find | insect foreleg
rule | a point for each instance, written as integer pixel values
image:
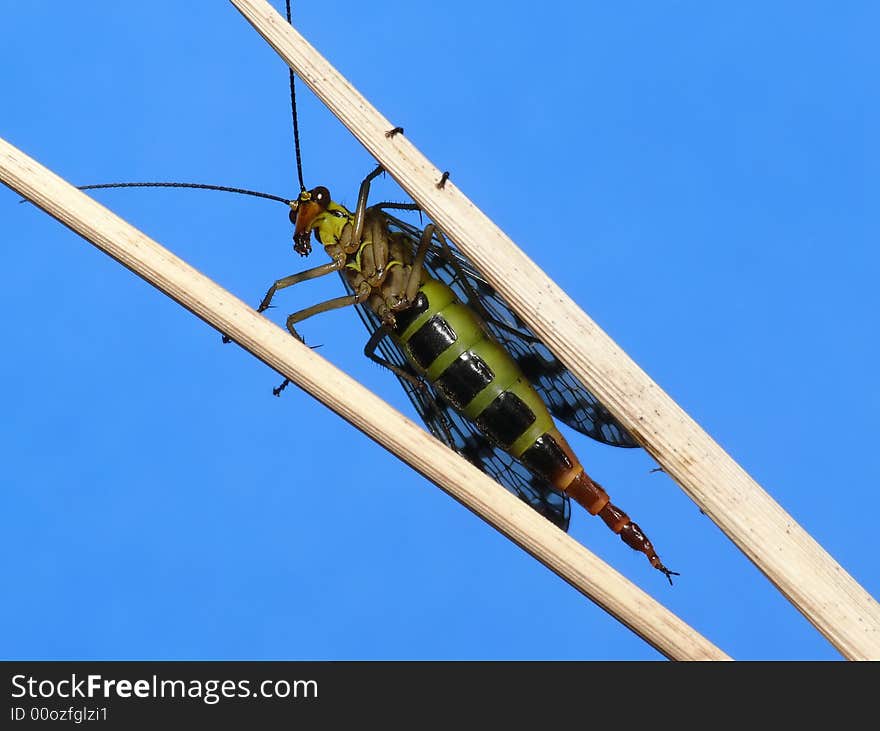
(319, 271)
(370, 352)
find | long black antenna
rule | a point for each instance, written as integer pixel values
(241, 191)
(299, 167)
(202, 186)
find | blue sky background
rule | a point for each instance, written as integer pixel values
(716, 170)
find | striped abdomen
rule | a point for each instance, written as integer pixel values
(446, 343)
(449, 347)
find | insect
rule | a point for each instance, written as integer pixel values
(481, 380)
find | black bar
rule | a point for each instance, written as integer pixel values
(416, 695)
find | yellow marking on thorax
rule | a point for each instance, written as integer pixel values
(356, 264)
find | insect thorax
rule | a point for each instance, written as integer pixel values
(379, 266)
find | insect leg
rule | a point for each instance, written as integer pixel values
(361, 209)
(415, 274)
(388, 205)
(398, 206)
(370, 352)
(334, 304)
(473, 298)
(319, 271)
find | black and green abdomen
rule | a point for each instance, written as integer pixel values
(446, 343)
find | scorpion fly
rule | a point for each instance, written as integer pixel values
(481, 380)
(483, 383)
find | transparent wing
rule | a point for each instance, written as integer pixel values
(462, 436)
(566, 398)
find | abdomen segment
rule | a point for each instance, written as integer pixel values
(448, 346)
